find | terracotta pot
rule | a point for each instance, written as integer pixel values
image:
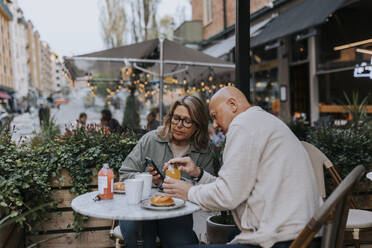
(218, 233)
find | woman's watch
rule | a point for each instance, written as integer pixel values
(197, 179)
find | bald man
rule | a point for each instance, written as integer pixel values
(266, 179)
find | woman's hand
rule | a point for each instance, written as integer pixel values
(155, 176)
(184, 164)
(176, 188)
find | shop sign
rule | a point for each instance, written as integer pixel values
(363, 70)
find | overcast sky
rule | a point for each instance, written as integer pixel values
(72, 26)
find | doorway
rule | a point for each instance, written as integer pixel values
(299, 90)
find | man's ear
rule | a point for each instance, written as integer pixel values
(231, 102)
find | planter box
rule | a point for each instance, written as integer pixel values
(95, 233)
(97, 239)
(11, 236)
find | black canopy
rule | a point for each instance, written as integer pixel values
(307, 14)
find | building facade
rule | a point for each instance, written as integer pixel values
(6, 68)
(301, 63)
(19, 51)
(33, 50)
(47, 77)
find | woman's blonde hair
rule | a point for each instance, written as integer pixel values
(198, 114)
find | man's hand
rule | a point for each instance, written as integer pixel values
(155, 176)
(184, 164)
(176, 188)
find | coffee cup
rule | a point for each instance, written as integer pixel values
(134, 190)
(147, 182)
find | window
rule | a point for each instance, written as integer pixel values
(207, 12)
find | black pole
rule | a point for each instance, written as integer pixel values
(242, 46)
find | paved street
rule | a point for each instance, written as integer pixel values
(67, 113)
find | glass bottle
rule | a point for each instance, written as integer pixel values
(106, 182)
(173, 172)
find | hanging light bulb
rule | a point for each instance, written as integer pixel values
(202, 83)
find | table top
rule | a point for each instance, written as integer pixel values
(118, 209)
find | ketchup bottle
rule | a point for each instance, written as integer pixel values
(106, 182)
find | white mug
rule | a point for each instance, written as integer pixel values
(133, 190)
(147, 182)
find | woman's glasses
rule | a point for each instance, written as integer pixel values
(186, 122)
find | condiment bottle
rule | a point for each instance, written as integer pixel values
(106, 182)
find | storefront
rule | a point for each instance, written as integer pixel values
(264, 79)
(345, 52)
(319, 43)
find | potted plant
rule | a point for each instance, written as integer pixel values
(219, 227)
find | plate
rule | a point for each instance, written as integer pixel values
(119, 191)
(178, 203)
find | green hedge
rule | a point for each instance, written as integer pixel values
(26, 170)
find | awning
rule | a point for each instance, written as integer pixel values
(175, 52)
(221, 47)
(307, 14)
(4, 95)
(226, 45)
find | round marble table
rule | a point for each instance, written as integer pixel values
(118, 209)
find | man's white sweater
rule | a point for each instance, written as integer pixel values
(267, 180)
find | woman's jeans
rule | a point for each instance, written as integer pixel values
(173, 232)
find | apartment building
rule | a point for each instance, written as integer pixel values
(6, 70)
(18, 32)
(47, 77)
(33, 50)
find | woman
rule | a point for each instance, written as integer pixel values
(184, 133)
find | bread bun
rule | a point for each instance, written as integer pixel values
(162, 201)
(119, 186)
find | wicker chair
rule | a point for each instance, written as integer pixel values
(359, 222)
(332, 214)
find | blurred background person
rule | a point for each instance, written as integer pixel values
(109, 122)
(152, 122)
(215, 135)
(82, 121)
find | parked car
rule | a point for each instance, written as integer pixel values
(4, 116)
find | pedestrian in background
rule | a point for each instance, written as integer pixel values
(152, 123)
(109, 122)
(82, 121)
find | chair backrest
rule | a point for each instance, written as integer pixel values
(318, 160)
(335, 209)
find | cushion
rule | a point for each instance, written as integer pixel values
(359, 219)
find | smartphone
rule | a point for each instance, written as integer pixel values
(150, 162)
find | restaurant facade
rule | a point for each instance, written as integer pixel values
(313, 49)
(305, 54)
